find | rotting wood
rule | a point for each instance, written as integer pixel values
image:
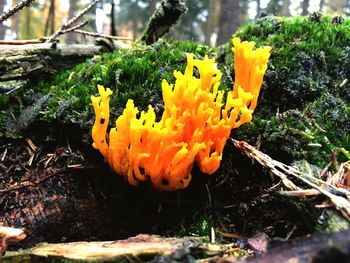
(325, 247)
(10, 235)
(28, 61)
(282, 171)
(139, 247)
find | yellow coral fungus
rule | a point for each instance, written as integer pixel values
(194, 127)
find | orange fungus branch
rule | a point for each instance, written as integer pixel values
(194, 127)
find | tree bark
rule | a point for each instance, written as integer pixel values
(319, 247)
(133, 249)
(28, 61)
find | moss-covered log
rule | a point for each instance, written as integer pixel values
(28, 61)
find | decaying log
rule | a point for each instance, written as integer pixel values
(330, 247)
(325, 247)
(139, 248)
(28, 61)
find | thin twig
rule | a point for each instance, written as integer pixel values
(74, 27)
(71, 21)
(282, 170)
(101, 35)
(306, 192)
(23, 42)
(265, 160)
(27, 184)
(4, 16)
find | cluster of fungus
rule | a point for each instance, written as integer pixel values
(194, 127)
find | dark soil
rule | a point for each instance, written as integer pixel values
(63, 191)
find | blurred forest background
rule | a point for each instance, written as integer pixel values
(207, 21)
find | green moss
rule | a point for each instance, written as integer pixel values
(131, 74)
(332, 221)
(303, 110)
(201, 227)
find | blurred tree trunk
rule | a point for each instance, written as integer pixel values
(50, 21)
(337, 6)
(233, 14)
(347, 7)
(213, 19)
(285, 8)
(15, 21)
(304, 7)
(27, 32)
(113, 26)
(321, 6)
(72, 38)
(91, 16)
(258, 8)
(2, 27)
(274, 7)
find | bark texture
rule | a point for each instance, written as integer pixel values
(29, 61)
(326, 247)
(139, 248)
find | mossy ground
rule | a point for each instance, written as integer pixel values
(304, 107)
(303, 114)
(303, 110)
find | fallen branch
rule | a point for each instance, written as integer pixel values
(23, 42)
(32, 60)
(74, 27)
(133, 249)
(282, 170)
(92, 34)
(4, 16)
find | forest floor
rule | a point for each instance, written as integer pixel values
(62, 191)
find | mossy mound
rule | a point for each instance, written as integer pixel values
(304, 107)
(130, 73)
(303, 110)
(303, 113)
